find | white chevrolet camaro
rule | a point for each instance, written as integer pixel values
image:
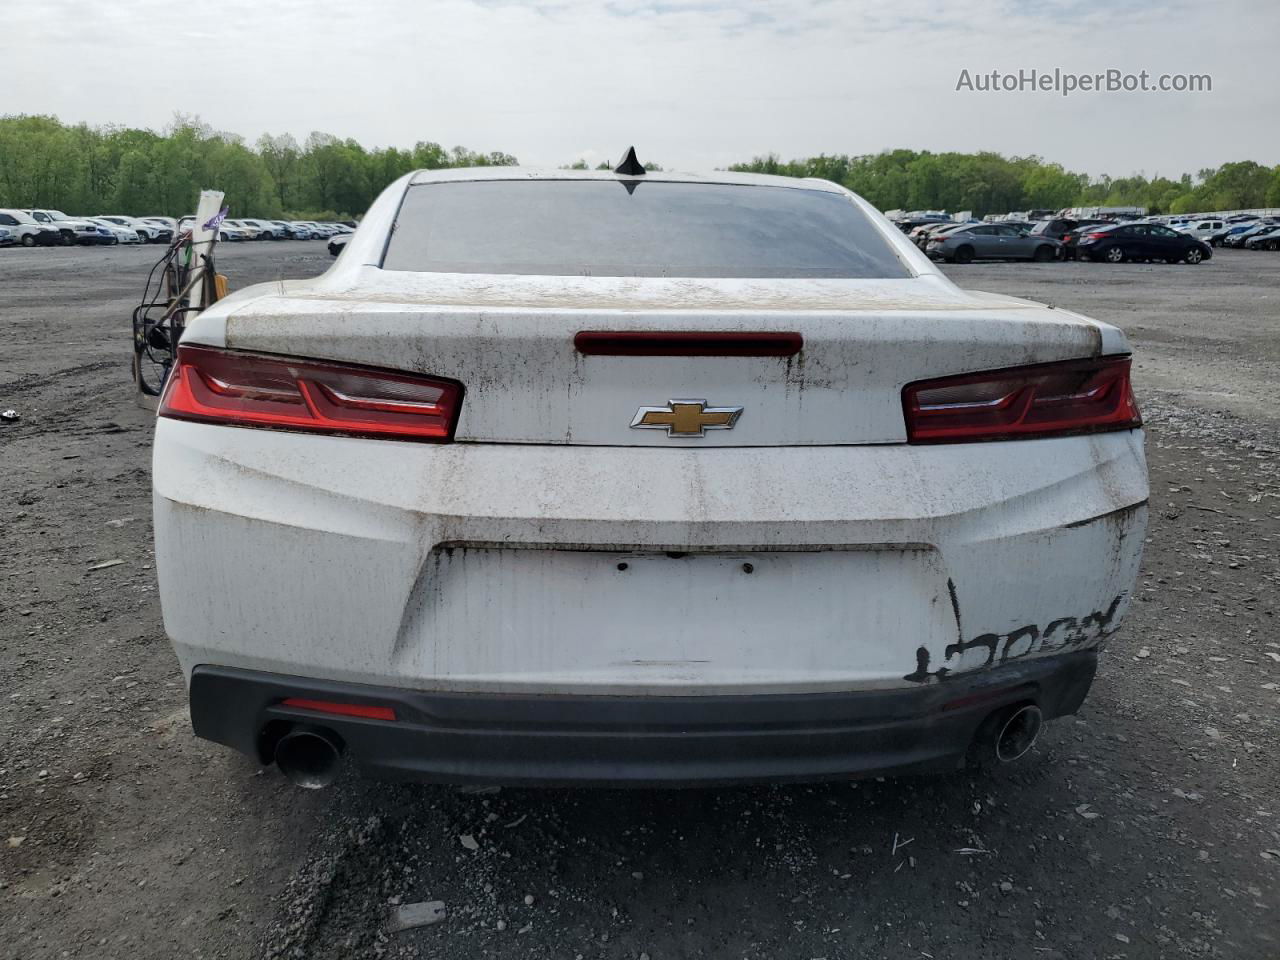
(595, 477)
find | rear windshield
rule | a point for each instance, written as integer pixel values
(609, 228)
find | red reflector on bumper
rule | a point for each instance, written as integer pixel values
(341, 709)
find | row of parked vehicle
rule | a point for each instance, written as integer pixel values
(47, 228)
(1246, 231)
(244, 229)
(1109, 239)
(1055, 238)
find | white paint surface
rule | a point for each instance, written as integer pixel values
(492, 563)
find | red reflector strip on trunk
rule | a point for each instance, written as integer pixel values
(686, 343)
(341, 709)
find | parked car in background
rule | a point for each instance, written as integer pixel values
(906, 226)
(1057, 228)
(226, 232)
(169, 222)
(940, 228)
(1241, 238)
(267, 229)
(103, 235)
(318, 230)
(1141, 241)
(29, 231)
(991, 241)
(1229, 229)
(1071, 240)
(121, 233)
(8, 237)
(72, 229)
(338, 243)
(147, 232)
(297, 231)
(497, 547)
(1021, 225)
(1266, 239)
(920, 235)
(248, 231)
(1202, 229)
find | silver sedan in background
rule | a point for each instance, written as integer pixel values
(991, 241)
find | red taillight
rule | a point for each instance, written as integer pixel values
(340, 709)
(1077, 396)
(259, 390)
(1097, 236)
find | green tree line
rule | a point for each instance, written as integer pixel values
(991, 183)
(88, 170)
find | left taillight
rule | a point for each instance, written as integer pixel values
(1047, 399)
(286, 393)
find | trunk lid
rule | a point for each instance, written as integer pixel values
(510, 341)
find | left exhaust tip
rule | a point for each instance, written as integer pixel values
(309, 756)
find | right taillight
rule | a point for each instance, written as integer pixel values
(1047, 399)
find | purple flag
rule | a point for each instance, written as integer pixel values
(217, 219)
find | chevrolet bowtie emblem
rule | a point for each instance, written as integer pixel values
(686, 418)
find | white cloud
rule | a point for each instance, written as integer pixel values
(693, 83)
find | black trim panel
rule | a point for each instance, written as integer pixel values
(518, 739)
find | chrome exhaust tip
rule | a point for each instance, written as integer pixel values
(309, 756)
(1017, 733)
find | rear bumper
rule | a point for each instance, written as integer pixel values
(605, 571)
(637, 741)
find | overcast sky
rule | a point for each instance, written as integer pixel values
(695, 84)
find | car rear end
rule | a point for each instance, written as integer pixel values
(944, 244)
(751, 493)
(1094, 242)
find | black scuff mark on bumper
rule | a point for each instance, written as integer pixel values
(1116, 514)
(1059, 636)
(921, 673)
(955, 607)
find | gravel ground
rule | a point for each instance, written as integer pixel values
(1148, 826)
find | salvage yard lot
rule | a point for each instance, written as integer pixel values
(1148, 826)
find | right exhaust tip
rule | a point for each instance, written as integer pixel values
(309, 756)
(1017, 732)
